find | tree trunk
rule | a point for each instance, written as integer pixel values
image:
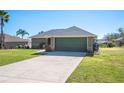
(2, 34)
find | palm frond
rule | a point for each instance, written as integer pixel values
(22, 32)
(4, 15)
(6, 18)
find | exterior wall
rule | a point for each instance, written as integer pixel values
(90, 41)
(10, 45)
(38, 42)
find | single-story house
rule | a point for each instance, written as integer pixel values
(69, 39)
(102, 41)
(119, 41)
(13, 41)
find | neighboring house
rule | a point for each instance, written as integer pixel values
(119, 41)
(102, 41)
(69, 39)
(13, 41)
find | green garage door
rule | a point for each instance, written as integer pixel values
(71, 44)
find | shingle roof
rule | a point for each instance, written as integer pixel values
(119, 39)
(100, 41)
(68, 32)
(9, 38)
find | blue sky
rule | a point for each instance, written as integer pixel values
(33, 21)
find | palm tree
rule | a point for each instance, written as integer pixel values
(40, 32)
(22, 32)
(4, 17)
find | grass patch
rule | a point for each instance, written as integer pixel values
(108, 66)
(13, 55)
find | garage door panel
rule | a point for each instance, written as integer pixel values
(70, 44)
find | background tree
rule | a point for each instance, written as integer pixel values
(40, 32)
(4, 17)
(22, 33)
(112, 36)
(121, 32)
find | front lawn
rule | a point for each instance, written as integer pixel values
(13, 55)
(108, 66)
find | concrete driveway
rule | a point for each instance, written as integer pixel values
(52, 67)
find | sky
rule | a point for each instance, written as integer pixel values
(99, 22)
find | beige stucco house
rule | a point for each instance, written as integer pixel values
(69, 39)
(12, 41)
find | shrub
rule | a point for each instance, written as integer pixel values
(111, 44)
(102, 45)
(27, 47)
(20, 46)
(122, 45)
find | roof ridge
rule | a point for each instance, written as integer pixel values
(80, 29)
(13, 36)
(71, 31)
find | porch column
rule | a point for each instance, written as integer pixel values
(90, 43)
(53, 43)
(87, 43)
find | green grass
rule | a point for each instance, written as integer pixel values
(13, 55)
(108, 66)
